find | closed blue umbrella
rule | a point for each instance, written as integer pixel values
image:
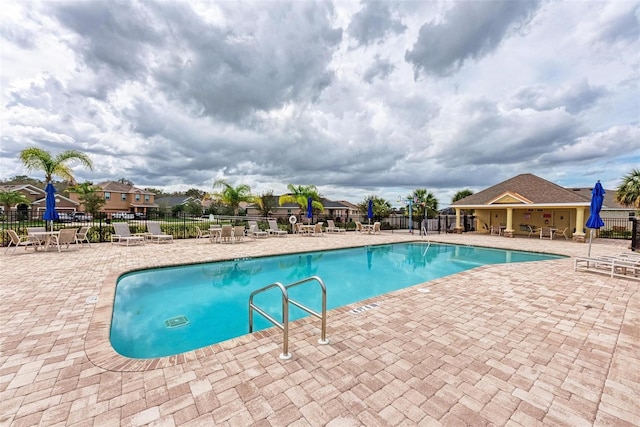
(594, 221)
(370, 210)
(309, 208)
(50, 213)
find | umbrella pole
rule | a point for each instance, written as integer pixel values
(590, 238)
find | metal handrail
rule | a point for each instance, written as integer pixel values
(284, 326)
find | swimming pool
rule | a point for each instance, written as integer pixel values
(165, 311)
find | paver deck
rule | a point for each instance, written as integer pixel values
(512, 344)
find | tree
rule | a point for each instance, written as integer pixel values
(233, 196)
(381, 207)
(37, 159)
(12, 198)
(425, 204)
(266, 203)
(461, 195)
(125, 181)
(156, 191)
(628, 192)
(195, 193)
(300, 195)
(91, 201)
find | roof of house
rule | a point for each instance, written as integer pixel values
(174, 200)
(609, 198)
(119, 187)
(527, 187)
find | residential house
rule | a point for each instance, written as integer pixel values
(528, 200)
(37, 197)
(121, 197)
(341, 211)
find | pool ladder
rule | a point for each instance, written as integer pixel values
(284, 326)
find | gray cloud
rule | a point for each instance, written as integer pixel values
(470, 30)
(172, 95)
(574, 98)
(373, 22)
(380, 68)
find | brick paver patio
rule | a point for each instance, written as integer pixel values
(511, 344)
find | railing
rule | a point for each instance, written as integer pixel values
(284, 325)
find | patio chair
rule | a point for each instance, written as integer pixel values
(563, 233)
(122, 235)
(331, 227)
(238, 233)
(226, 235)
(317, 230)
(34, 237)
(202, 234)
(273, 229)
(376, 228)
(82, 236)
(155, 234)
(66, 237)
(16, 241)
(359, 228)
(546, 233)
(496, 230)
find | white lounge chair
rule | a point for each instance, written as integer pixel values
(331, 227)
(273, 229)
(123, 235)
(155, 234)
(255, 232)
(612, 266)
(16, 241)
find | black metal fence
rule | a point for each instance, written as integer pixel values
(617, 228)
(180, 226)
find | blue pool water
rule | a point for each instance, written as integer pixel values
(166, 311)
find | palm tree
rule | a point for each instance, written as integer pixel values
(37, 159)
(461, 195)
(266, 203)
(91, 201)
(12, 198)
(300, 195)
(424, 201)
(628, 192)
(381, 207)
(233, 196)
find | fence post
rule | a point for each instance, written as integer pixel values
(635, 236)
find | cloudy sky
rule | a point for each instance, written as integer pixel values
(357, 98)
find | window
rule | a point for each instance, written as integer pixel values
(137, 197)
(123, 197)
(147, 197)
(107, 195)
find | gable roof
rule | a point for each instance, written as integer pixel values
(118, 187)
(524, 189)
(609, 203)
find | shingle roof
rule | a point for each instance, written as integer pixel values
(529, 186)
(609, 198)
